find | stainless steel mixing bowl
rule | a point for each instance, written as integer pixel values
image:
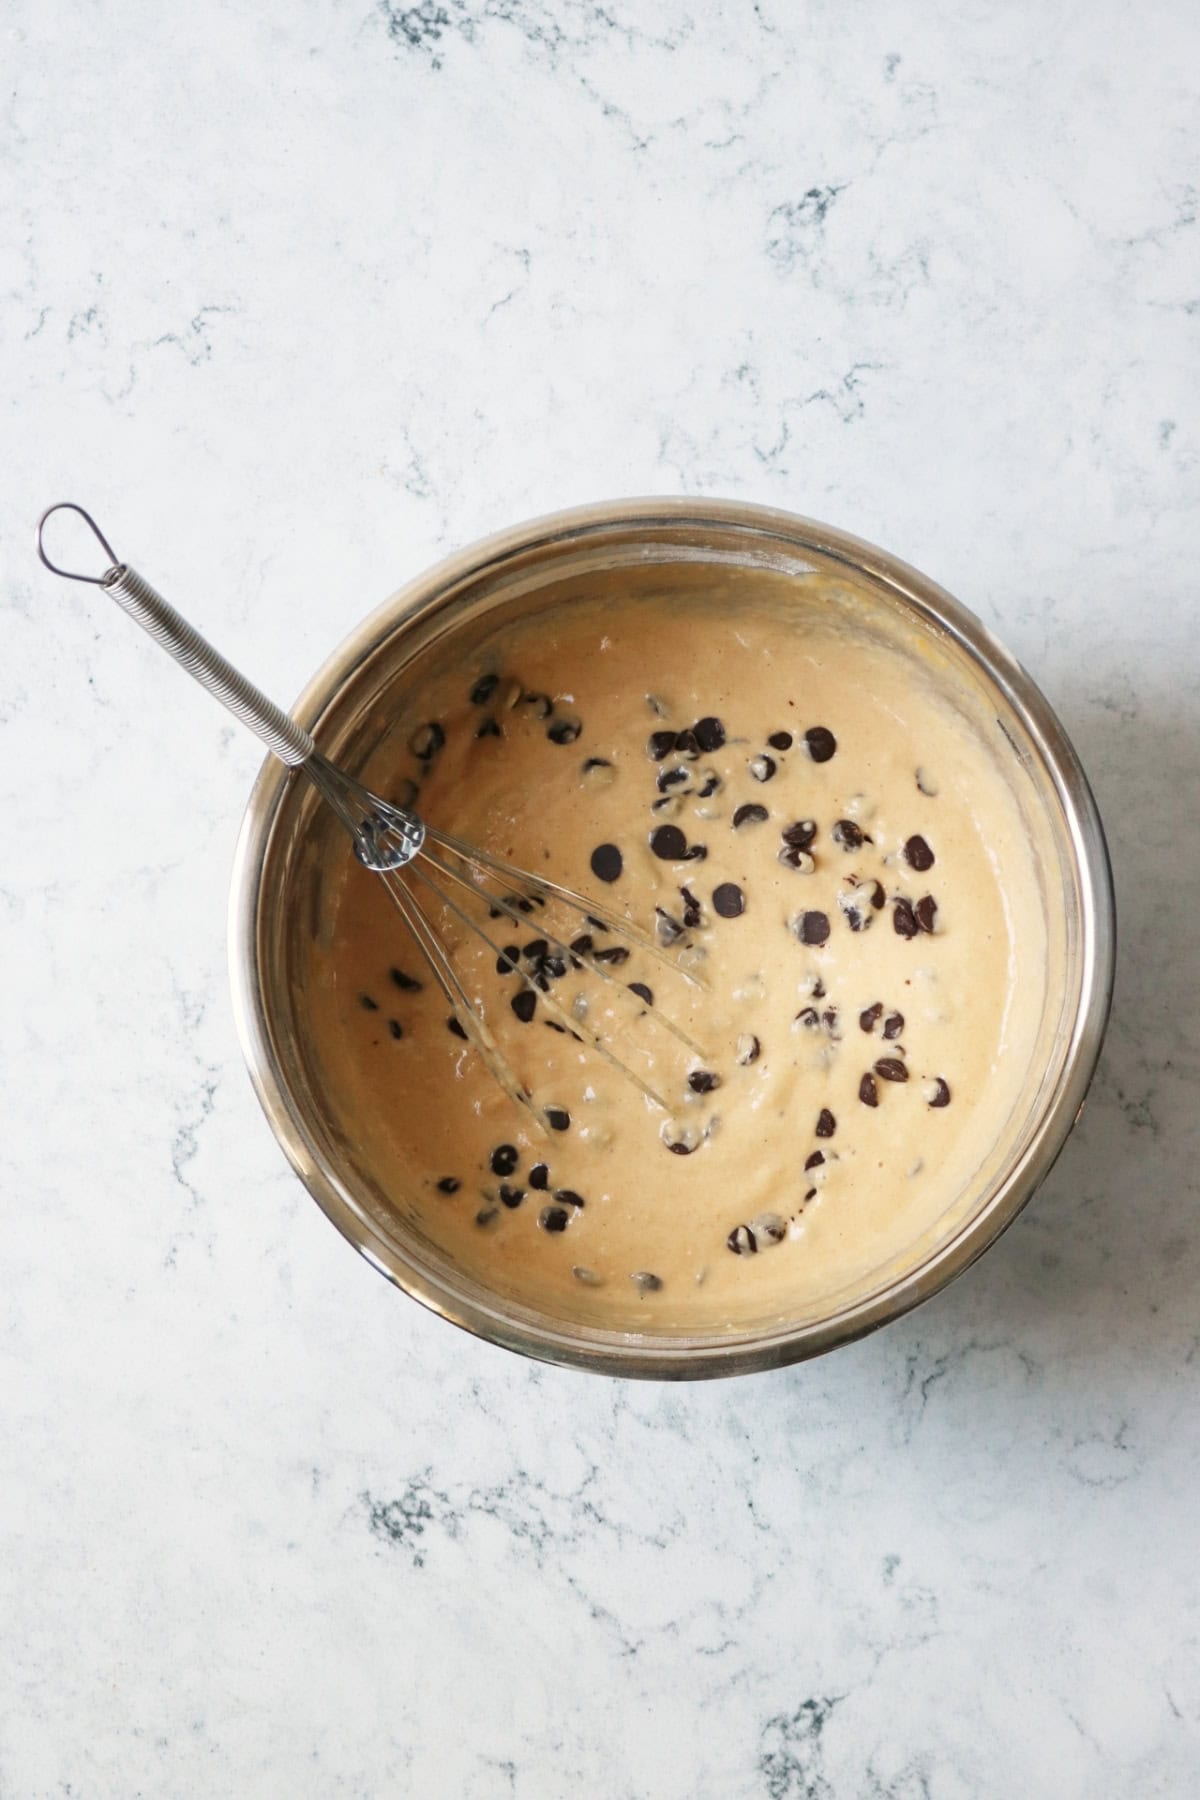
(350, 702)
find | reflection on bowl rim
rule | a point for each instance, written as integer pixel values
(661, 1356)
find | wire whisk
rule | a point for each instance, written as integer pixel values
(420, 866)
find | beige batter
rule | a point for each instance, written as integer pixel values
(872, 953)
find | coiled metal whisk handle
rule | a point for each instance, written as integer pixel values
(280, 733)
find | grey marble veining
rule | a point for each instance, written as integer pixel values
(297, 297)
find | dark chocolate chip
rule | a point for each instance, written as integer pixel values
(568, 1196)
(821, 743)
(818, 990)
(669, 843)
(749, 814)
(642, 991)
(679, 1146)
(669, 929)
(696, 853)
(504, 1159)
(449, 1184)
(607, 862)
(829, 1019)
(396, 1029)
(918, 855)
(893, 1025)
(728, 900)
(849, 835)
(926, 912)
(540, 705)
(564, 731)
(870, 1016)
(703, 1081)
(427, 740)
(489, 728)
(408, 984)
(667, 779)
(800, 835)
(524, 1005)
(483, 690)
(511, 1196)
(710, 734)
(687, 744)
(453, 1025)
(890, 1068)
(814, 1160)
(582, 944)
(904, 919)
(780, 740)
(615, 955)
(595, 762)
(554, 966)
(712, 785)
(693, 912)
(809, 1018)
(486, 1215)
(813, 928)
(742, 1241)
(826, 1123)
(558, 1118)
(539, 1175)
(646, 1283)
(792, 857)
(868, 1092)
(749, 1049)
(367, 1004)
(942, 1096)
(762, 767)
(660, 744)
(535, 950)
(554, 1218)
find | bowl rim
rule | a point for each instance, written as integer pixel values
(643, 1355)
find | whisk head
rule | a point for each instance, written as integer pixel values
(420, 864)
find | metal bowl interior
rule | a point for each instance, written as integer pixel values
(348, 706)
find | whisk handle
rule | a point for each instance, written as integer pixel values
(281, 734)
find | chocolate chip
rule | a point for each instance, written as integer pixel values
(870, 1016)
(569, 1197)
(591, 763)
(808, 1018)
(710, 734)
(427, 740)
(728, 900)
(607, 862)
(762, 767)
(486, 1215)
(583, 943)
(904, 919)
(813, 927)
(616, 954)
(893, 1025)
(408, 984)
(712, 785)
(687, 744)
(868, 1093)
(564, 731)
(554, 966)
(693, 912)
(768, 1228)
(511, 1196)
(671, 804)
(814, 1160)
(918, 855)
(742, 1241)
(679, 1146)
(489, 728)
(367, 1004)
(554, 1218)
(680, 1139)
(749, 814)
(941, 1092)
(449, 1184)
(504, 1159)
(890, 1068)
(453, 1025)
(539, 1175)
(878, 897)
(483, 690)
(667, 779)
(669, 930)
(540, 705)
(853, 907)
(818, 989)
(821, 743)
(660, 744)
(829, 1019)
(703, 1081)
(396, 1029)
(647, 1283)
(792, 857)
(669, 843)
(826, 1123)
(642, 991)
(748, 1048)
(801, 835)
(558, 1118)
(524, 1004)
(780, 740)
(926, 912)
(849, 835)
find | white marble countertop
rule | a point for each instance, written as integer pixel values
(297, 297)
